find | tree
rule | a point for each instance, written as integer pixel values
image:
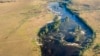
(46, 29)
(57, 23)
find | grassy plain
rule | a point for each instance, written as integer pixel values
(21, 20)
(19, 23)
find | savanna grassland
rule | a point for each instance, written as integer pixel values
(19, 23)
(21, 20)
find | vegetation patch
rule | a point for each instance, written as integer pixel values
(96, 49)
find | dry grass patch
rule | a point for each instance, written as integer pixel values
(19, 24)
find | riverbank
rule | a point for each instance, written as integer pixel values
(89, 11)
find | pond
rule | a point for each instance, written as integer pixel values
(66, 35)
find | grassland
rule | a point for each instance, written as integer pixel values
(19, 24)
(21, 20)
